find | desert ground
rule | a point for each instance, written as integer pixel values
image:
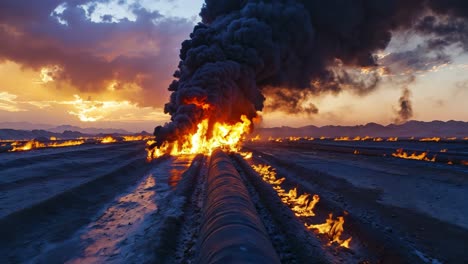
(106, 203)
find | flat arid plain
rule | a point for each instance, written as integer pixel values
(335, 200)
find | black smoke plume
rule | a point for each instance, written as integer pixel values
(406, 110)
(245, 49)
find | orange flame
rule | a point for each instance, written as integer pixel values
(195, 101)
(333, 229)
(392, 139)
(135, 138)
(256, 138)
(33, 144)
(414, 156)
(303, 206)
(435, 139)
(108, 139)
(225, 136)
(341, 139)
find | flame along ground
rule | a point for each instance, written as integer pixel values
(33, 144)
(26, 145)
(303, 206)
(404, 155)
(224, 136)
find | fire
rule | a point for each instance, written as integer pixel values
(34, 144)
(333, 228)
(404, 155)
(197, 103)
(451, 138)
(225, 136)
(356, 138)
(303, 206)
(443, 150)
(378, 139)
(294, 138)
(268, 174)
(256, 138)
(246, 155)
(67, 143)
(341, 139)
(393, 139)
(356, 152)
(435, 139)
(135, 138)
(108, 139)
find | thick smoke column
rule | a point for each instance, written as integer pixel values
(288, 49)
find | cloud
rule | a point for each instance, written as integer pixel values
(8, 102)
(67, 47)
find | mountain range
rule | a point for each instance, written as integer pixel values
(409, 129)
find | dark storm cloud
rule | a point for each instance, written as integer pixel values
(92, 55)
(247, 48)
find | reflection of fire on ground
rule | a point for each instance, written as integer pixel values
(123, 217)
(303, 206)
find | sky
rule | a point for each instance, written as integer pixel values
(108, 64)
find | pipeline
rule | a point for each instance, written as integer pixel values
(231, 230)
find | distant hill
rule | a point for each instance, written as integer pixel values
(409, 129)
(14, 134)
(60, 129)
(92, 130)
(62, 132)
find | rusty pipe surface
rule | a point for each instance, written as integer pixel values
(231, 230)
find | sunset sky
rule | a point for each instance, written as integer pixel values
(109, 63)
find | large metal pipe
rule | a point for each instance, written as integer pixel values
(231, 230)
